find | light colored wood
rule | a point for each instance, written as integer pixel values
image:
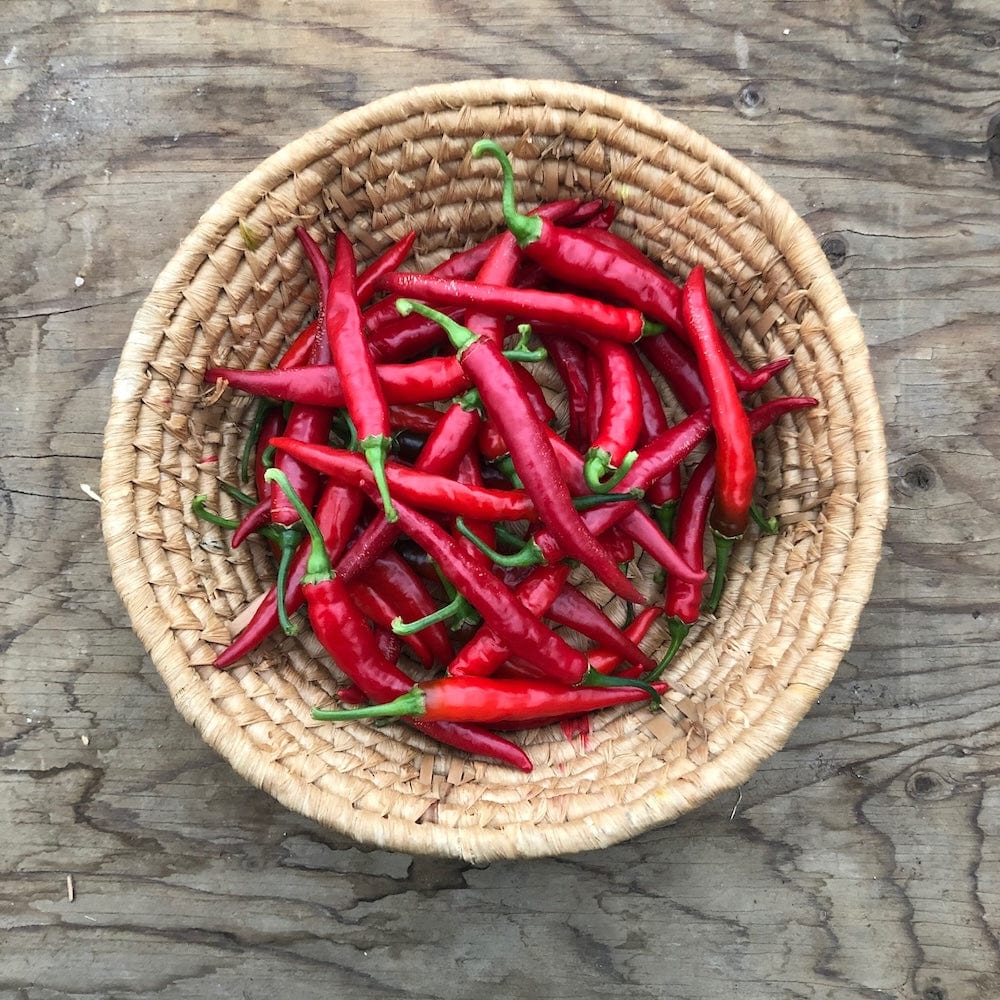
(858, 862)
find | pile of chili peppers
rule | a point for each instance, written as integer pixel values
(419, 492)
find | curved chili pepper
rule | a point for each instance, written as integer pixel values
(575, 610)
(347, 637)
(736, 467)
(393, 337)
(499, 608)
(530, 450)
(425, 381)
(272, 425)
(489, 700)
(468, 475)
(363, 396)
(589, 315)
(388, 260)
(682, 599)
(676, 362)
(337, 512)
(422, 489)
(487, 650)
(252, 521)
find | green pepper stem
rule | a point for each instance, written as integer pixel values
(318, 567)
(594, 678)
(506, 465)
(288, 543)
(589, 501)
(260, 414)
(665, 514)
(199, 507)
(376, 450)
(769, 525)
(411, 703)
(526, 228)
(350, 431)
(678, 633)
(458, 605)
(461, 337)
(651, 329)
(723, 549)
(528, 555)
(237, 494)
(597, 464)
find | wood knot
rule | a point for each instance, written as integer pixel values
(835, 248)
(751, 100)
(927, 786)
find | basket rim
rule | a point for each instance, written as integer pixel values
(722, 772)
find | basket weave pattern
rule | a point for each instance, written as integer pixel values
(237, 290)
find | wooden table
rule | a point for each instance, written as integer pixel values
(862, 861)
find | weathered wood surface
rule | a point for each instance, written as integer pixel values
(863, 861)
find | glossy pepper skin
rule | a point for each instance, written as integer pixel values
(363, 394)
(425, 381)
(735, 462)
(352, 644)
(531, 452)
(488, 700)
(423, 489)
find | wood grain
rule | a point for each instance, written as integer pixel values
(860, 862)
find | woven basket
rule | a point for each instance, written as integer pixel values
(235, 293)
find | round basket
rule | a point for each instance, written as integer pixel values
(235, 293)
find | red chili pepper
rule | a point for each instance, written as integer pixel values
(422, 489)
(569, 360)
(530, 450)
(682, 602)
(348, 638)
(619, 416)
(489, 700)
(468, 475)
(528, 304)
(366, 404)
(577, 611)
(736, 467)
(499, 608)
(423, 381)
(676, 362)
(491, 442)
(486, 651)
(272, 425)
(337, 513)
(413, 417)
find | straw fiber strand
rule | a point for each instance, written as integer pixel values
(236, 292)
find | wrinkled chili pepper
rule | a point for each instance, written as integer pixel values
(347, 637)
(488, 700)
(530, 450)
(664, 494)
(378, 605)
(569, 360)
